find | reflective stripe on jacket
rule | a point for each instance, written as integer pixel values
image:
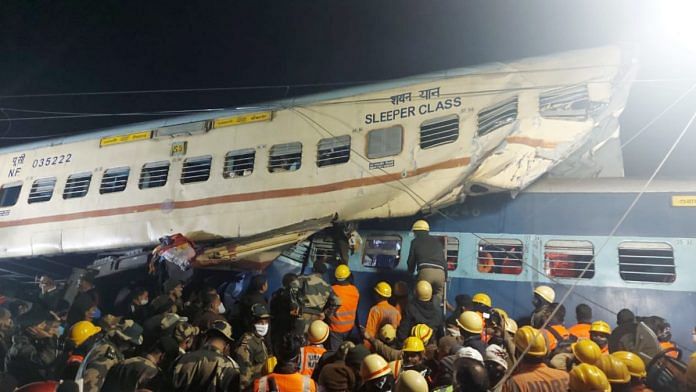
(309, 358)
(344, 318)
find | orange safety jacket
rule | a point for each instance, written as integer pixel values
(276, 382)
(381, 313)
(551, 340)
(309, 358)
(344, 318)
(580, 330)
(536, 377)
(666, 345)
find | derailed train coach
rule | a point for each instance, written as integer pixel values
(558, 232)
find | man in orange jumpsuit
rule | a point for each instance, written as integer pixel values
(382, 312)
(532, 374)
(583, 314)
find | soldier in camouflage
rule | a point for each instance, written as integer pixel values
(141, 372)
(207, 369)
(318, 299)
(107, 353)
(252, 352)
(33, 353)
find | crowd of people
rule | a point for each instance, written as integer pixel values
(307, 336)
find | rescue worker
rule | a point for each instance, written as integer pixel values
(185, 334)
(382, 312)
(108, 352)
(427, 256)
(285, 306)
(583, 315)
(255, 294)
(82, 337)
(543, 297)
(209, 368)
(341, 323)
(311, 354)
(414, 357)
(173, 291)
(337, 376)
(400, 296)
(616, 372)
(285, 377)
(582, 351)
(588, 378)
(481, 303)
(624, 335)
(86, 300)
(411, 381)
(555, 333)
(214, 310)
(470, 374)
(532, 374)
(383, 343)
(664, 336)
(318, 298)
(252, 352)
(34, 349)
(137, 309)
(6, 332)
(376, 375)
(496, 362)
(636, 368)
(140, 372)
(471, 325)
(51, 298)
(599, 333)
(421, 311)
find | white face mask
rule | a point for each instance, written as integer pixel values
(144, 302)
(221, 308)
(261, 329)
(454, 332)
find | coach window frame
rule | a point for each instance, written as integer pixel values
(228, 164)
(383, 237)
(40, 197)
(673, 265)
(500, 241)
(85, 174)
(593, 260)
(385, 154)
(185, 180)
(3, 196)
(115, 175)
(446, 140)
(146, 183)
(327, 162)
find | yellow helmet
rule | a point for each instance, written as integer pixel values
(383, 289)
(411, 381)
(586, 351)
(420, 225)
(615, 369)
(600, 326)
(422, 332)
(635, 365)
(511, 325)
(546, 293)
(387, 333)
(588, 378)
(502, 312)
(413, 345)
(424, 291)
(374, 366)
(318, 332)
(470, 322)
(81, 331)
(342, 272)
(400, 289)
(270, 365)
(482, 298)
(530, 337)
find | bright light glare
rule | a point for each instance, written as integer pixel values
(677, 23)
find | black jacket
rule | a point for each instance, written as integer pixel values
(426, 249)
(420, 312)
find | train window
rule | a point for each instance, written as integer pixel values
(647, 262)
(568, 259)
(154, 175)
(568, 103)
(439, 131)
(77, 185)
(333, 151)
(452, 249)
(285, 157)
(196, 169)
(239, 163)
(500, 256)
(42, 190)
(114, 180)
(384, 142)
(9, 194)
(496, 116)
(382, 251)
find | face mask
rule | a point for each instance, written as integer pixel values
(96, 313)
(61, 330)
(261, 329)
(144, 302)
(454, 332)
(221, 308)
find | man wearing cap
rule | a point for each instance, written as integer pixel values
(185, 333)
(318, 298)
(208, 369)
(213, 311)
(427, 256)
(123, 338)
(252, 352)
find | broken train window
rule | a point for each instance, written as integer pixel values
(285, 157)
(567, 103)
(333, 151)
(496, 116)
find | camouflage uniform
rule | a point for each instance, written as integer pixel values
(251, 354)
(30, 359)
(131, 374)
(97, 363)
(317, 298)
(206, 369)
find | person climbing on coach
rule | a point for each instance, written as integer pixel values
(421, 311)
(427, 257)
(343, 320)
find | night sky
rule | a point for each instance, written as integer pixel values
(311, 46)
